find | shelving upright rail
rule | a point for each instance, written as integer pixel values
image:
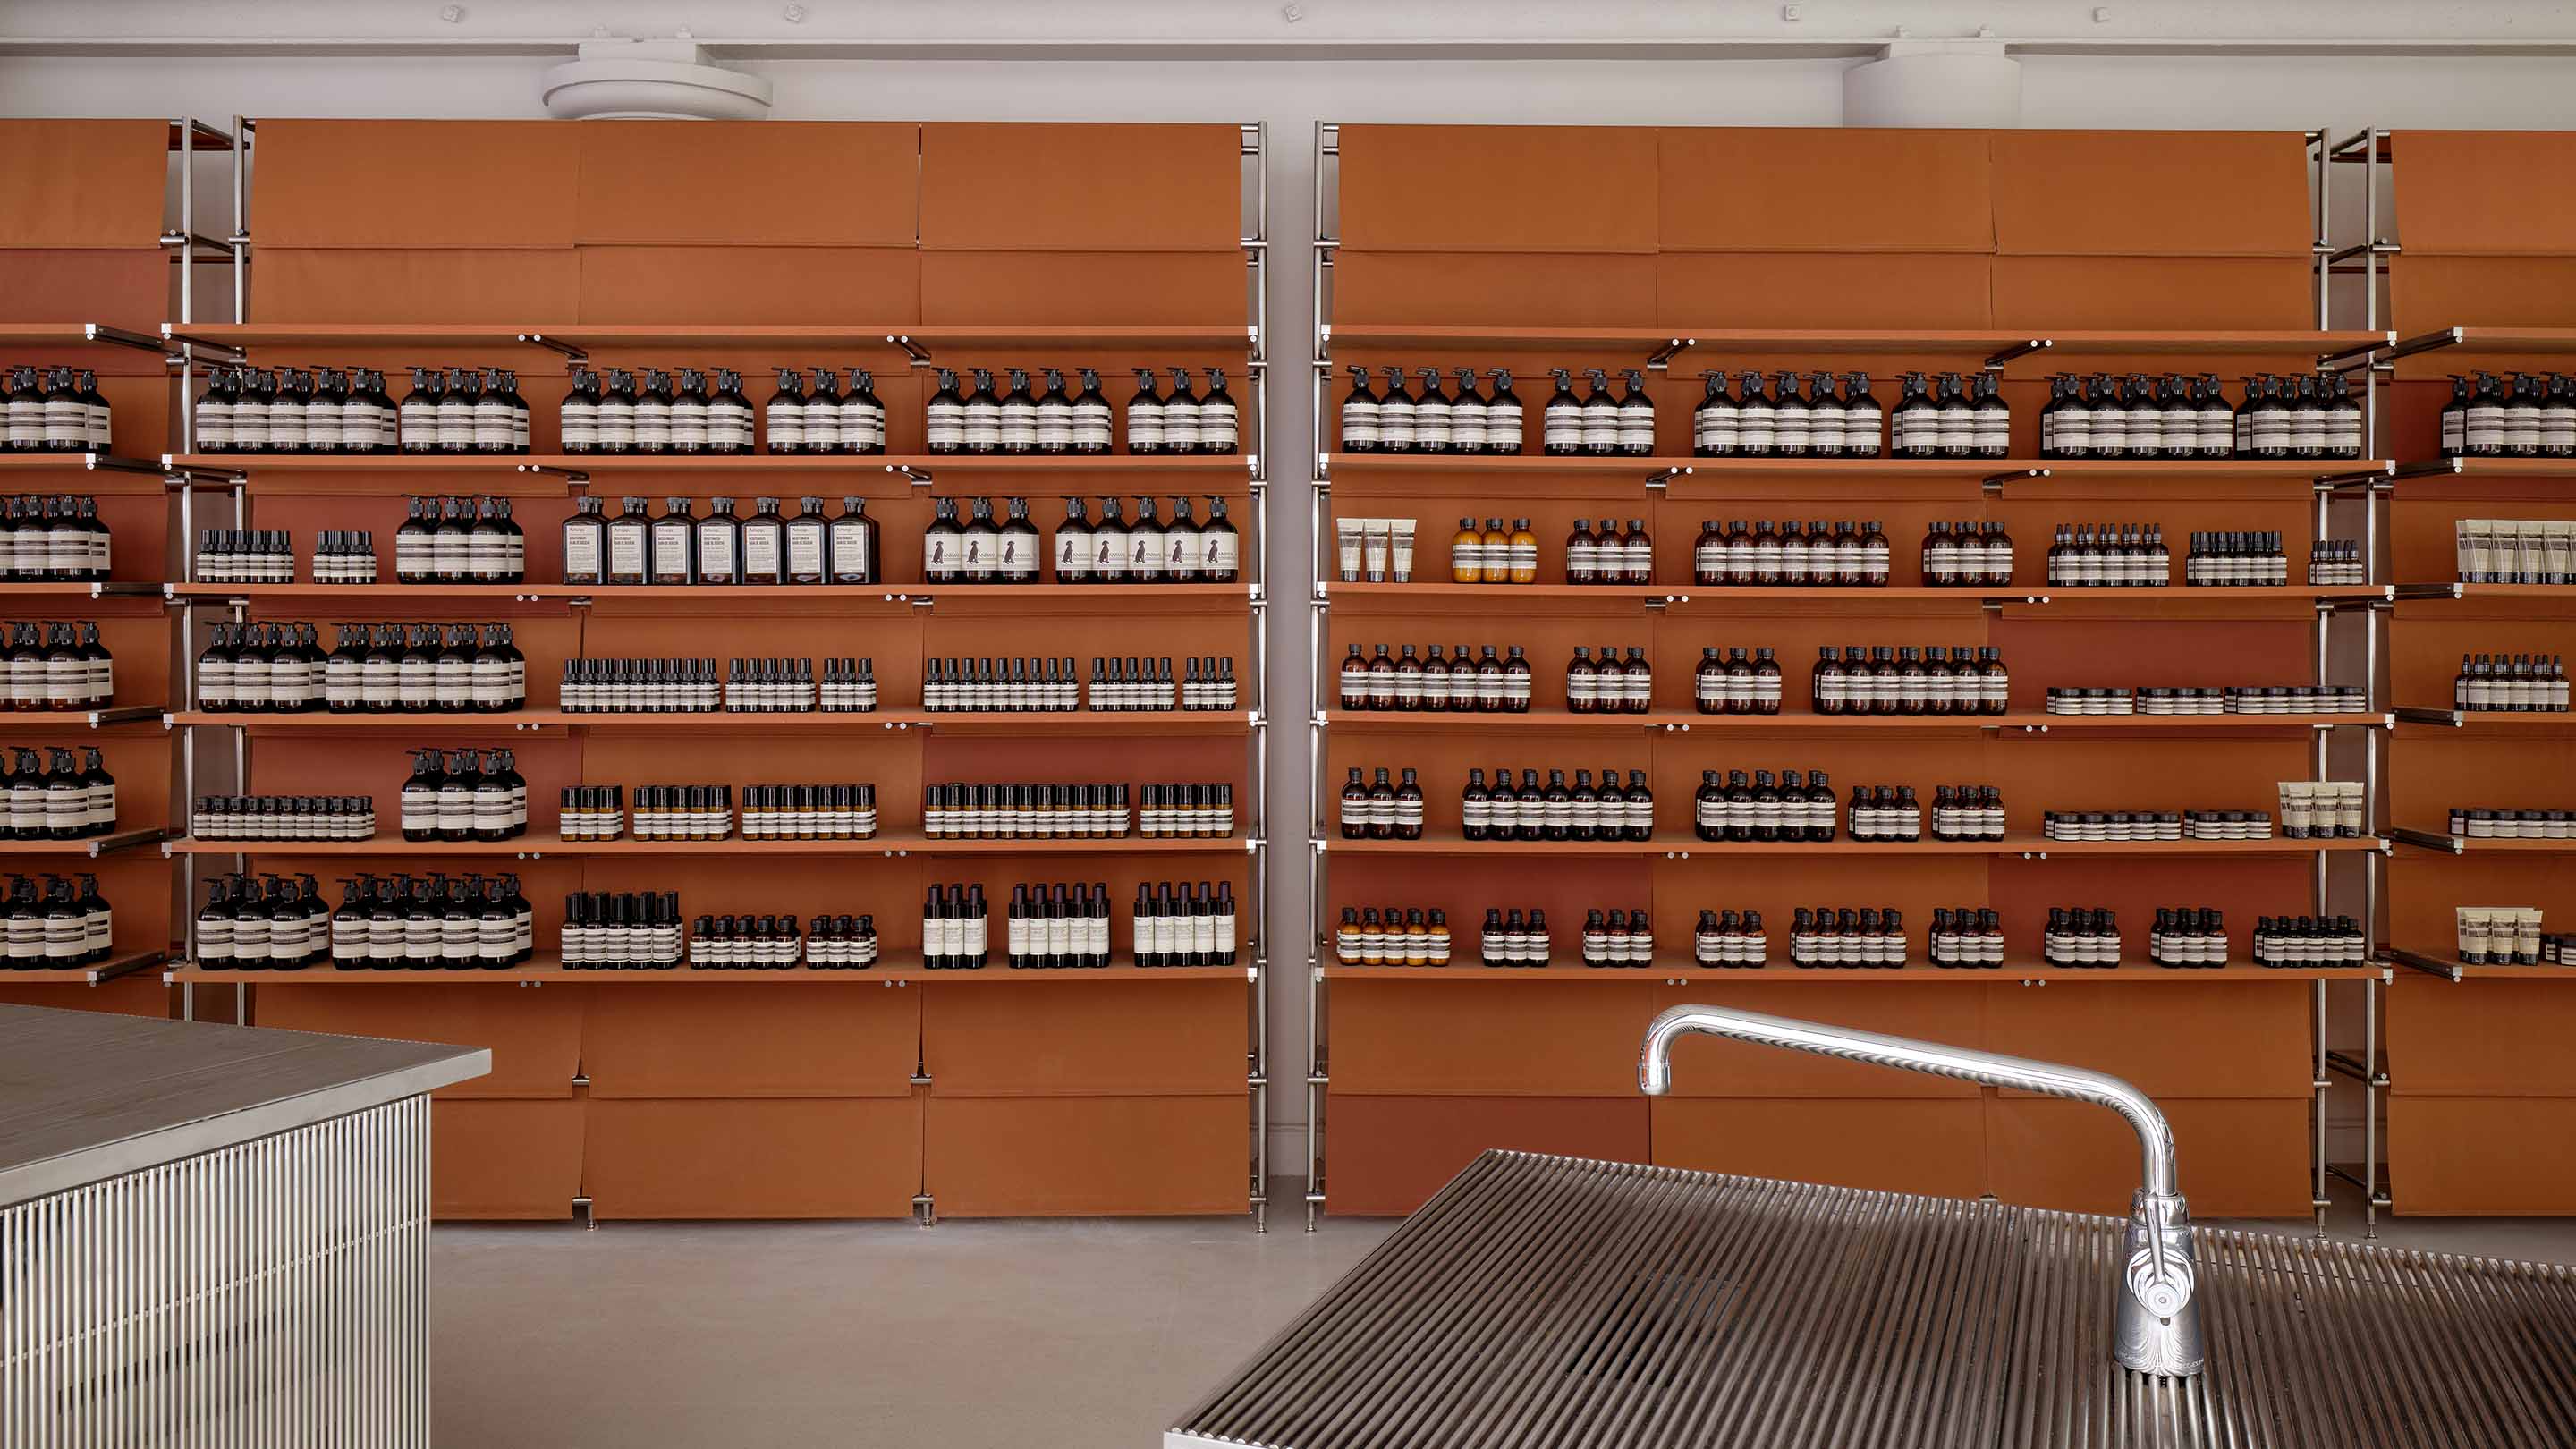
(186, 246)
(2373, 257)
(196, 344)
(2346, 352)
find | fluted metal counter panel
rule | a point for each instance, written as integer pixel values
(1549, 1301)
(273, 1293)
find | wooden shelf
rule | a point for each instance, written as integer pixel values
(149, 715)
(2509, 721)
(2021, 720)
(75, 462)
(90, 847)
(2449, 844)
(583, 336)
(2176, 598)
(96, 973)
(1680, 594)
(897, 596)
(1778, 972)
(1686, 846)
(2487, 468)
(2509, 341)
(2438, 963)
(1185, 722)
(1237, 464)
(1979, 470)
(1720, 345)
(81, 592)
(895, 969)
(534, 845)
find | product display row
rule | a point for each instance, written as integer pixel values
(2515, 683)
(53, 538)
(57, 665)
(982, 419)
(51, 793)
(280, 668)
(53, 409)
(2229, 699)
(2525, 415)
(2516, 550)
(54, 922)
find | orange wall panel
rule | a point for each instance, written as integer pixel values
(534, 1033)
(812, 286)
(2151, 193)
(765, 1039)
(2472, 192)
(2479, 1038)
(748, 183)
(2427, 293)
(1934, 1146)
(2213, 1039)
(1495, 1038)
(2481, 1156)
(74, 184)
(2238, 1158)
(765, 1158)
(1079, 1156)
(1760, 189)
(504, 1160)
(140, 994)
(417, 185)
(1931, 290)
(2047, 294)
(500, 287)
(1499, 188)
(1083, 1038)
(128, 288)
(1050, 187)
(1069, 288)
(1518, 289)
(1386, 1156)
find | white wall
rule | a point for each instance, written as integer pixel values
(2341, 93)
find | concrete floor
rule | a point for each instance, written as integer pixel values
(1072, 1334)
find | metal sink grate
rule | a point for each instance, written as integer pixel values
(1541, 1302)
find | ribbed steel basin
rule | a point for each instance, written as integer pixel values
(1553, 1301)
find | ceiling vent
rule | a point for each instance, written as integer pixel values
(652, 80)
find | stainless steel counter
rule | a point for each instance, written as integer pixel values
(213, 1234)
(1547, 1301)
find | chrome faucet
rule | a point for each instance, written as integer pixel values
(2156, 1329)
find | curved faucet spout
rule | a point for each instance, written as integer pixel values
(2158, 1327)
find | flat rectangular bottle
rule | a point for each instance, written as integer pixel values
(808, 544)
(853, 540)
(585, 544)
(764, 544)
(629, 543)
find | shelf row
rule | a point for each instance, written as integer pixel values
(538, 846)
(893, 969)
(1676, 846)
(2010, 973)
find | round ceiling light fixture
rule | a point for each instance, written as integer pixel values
(651, 80)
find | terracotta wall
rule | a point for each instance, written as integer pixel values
(1707, 230)
(2477, 1076)
(80, 227)
(775, 1097)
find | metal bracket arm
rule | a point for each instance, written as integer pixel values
(2157, 1327)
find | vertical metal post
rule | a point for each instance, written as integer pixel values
(2323, 248)
(1256, 141)
(1327, 145)
(2370, 226)
(187, 216)
(2318, 1198)
(2370, 1105)
(243, 131)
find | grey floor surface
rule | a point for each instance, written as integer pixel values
(1076, 1334)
